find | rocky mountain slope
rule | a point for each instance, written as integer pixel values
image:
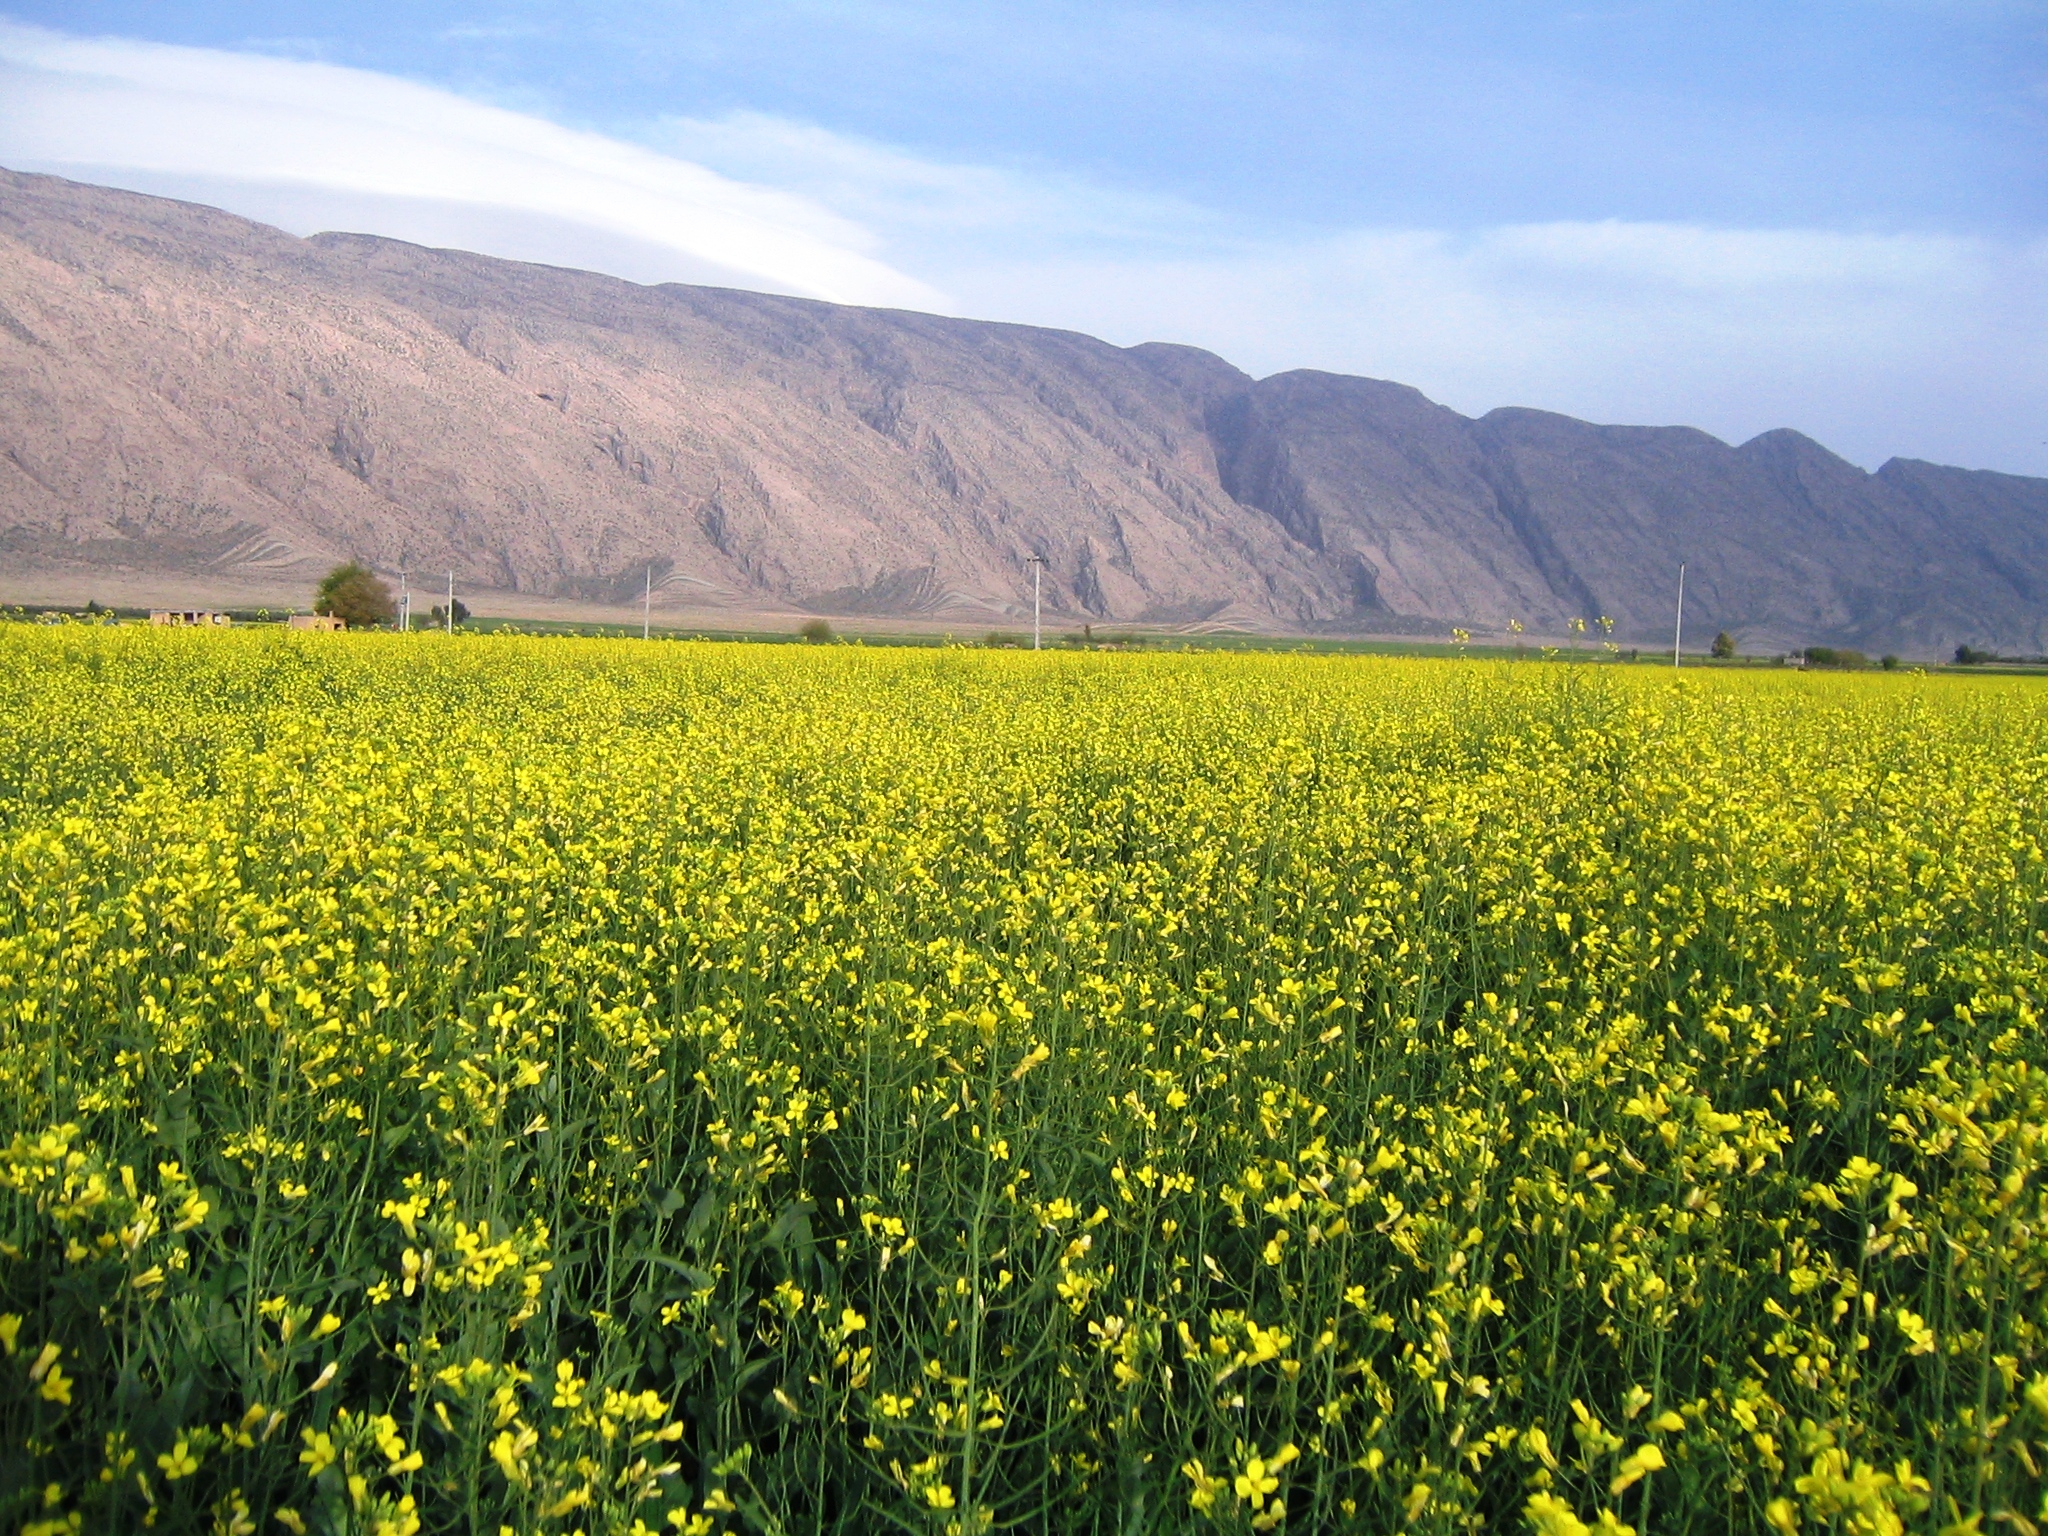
(186, 393)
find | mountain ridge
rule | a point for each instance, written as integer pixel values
(189, 393)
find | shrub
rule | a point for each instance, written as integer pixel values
(1970, 656)
(353, 594)
(438, 617)
(817, 632)
(1834, 656)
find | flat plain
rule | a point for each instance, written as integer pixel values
(456, 1084)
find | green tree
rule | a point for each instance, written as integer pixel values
(439, 616)
(818, 632)
(353, 594)
(1724, 646)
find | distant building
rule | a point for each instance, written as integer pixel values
(321, 621)
(180, 617)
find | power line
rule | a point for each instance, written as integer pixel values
(1678, 628)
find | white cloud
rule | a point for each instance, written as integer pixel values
(131, 111)
(933, 204)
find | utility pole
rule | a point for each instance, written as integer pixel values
(1037, 564)
(451, 602)
(1678, 629)
(404, 606)
(647, 600)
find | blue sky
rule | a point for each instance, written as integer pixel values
(1736, 215)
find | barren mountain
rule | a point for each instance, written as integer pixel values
(184, 393)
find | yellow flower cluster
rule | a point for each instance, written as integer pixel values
(504, 1083)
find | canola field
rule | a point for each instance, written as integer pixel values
(484, 1085)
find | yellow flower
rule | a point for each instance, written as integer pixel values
(178, 1461)
(192, 1213)
(509, 1450)
(568, 1386)
(1640, 1463)
(575, 1498)
(318, 1455)
(1254, 1483)
(2036, 1395)
(1920, 1338)
(1551, 1516)
(403, 1520)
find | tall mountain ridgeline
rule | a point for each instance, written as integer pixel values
(186, 393)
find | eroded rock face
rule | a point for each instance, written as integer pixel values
(185, 391)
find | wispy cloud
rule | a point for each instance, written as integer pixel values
(491, 31)
(925, 202)
(121, 106)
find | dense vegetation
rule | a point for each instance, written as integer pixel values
(462, 1084)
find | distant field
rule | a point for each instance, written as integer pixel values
(564, 1086)
(613, 624)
